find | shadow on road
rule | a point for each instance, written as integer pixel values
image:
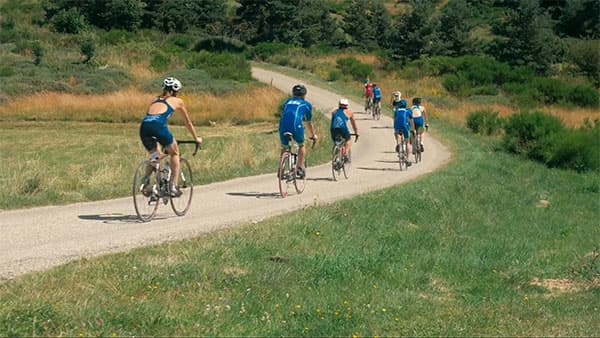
(256, 194)
(113, 218)
(320, 179)
(381, 127)
(386, 161)
(378, 169)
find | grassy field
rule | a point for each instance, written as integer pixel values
(49, 163)
(489, 245)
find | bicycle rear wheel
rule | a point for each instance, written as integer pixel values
(402, 157)
(181, 204)
(417, 148)
(347, 164)
(300, 182)
(336, 162)
(145, 191)
(284, 174)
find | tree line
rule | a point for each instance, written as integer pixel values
(532, 33)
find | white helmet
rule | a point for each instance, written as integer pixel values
(344, 102)
(397, 95)
(171, 83)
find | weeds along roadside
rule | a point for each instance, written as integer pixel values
(73, 161)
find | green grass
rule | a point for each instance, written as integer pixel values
(451, 254)
(49, 163)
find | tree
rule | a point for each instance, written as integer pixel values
(88, 49)
(453, 29)
(368, 23)
(182, 15)
(527, 39)
(414, 31)
(580, 19)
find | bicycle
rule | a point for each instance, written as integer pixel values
(152, 185)
(369, 105)
(340, 160)
(377, 111)
(402, 152)
(286, 174)
(416, 145)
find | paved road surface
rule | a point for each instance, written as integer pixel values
(40, 238)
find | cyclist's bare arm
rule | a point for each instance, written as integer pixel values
(180, 106)
(311, 127)
(353, 122)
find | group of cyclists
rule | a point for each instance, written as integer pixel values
(154, 130)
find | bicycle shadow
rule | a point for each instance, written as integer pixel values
(379, 169)
(381, 127)
(114, 218)
(386, 161)
(320, 179)
(256, 194)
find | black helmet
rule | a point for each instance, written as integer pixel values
(416, 101)
(299, 90)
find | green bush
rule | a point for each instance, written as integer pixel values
(576, 149)
(68, 21)
(263, 50)
(551, 90)
(220, 44)
(160, 61)
(182, 41)
(356, 69)
(117, 36)
(88, 49)
(38, 52)
(334, 75)
(531, 134)
(484, 122)
(197, 81)
(222, 65)
(583, 95)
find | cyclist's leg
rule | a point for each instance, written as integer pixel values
(298, 136)
(173, 150)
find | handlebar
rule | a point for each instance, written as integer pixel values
(190, 142)
(314, 141)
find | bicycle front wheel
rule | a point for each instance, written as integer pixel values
(336, 162)
(284, 174)
(417, 148)
(145, 191)
(402, 157)
(300, 182)
(347, 164)
(181, 201)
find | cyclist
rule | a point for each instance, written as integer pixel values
(368, 93)
(295, 109)
(339, 125)
(420, 118)
(376, 96)
(396, 97)
(154, 127)
(403, 125)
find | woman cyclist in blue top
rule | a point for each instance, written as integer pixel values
(339, 125)
(295, 110)
(154, 126)
(420, 118)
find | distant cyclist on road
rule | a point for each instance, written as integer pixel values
(154, 126)
(403, 125)
(376, 96)
(396, 97)
(368, 93)
(339, 125)
(295, 110)
(420, 118)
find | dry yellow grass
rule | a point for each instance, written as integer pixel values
(254, 104)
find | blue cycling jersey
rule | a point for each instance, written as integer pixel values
(295, 110)
(163, 117)
(339, 119)
(401, 118)
(376, 92)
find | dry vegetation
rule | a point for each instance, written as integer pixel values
(130, 104)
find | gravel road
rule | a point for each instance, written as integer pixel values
(40, 238)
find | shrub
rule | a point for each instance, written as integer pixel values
(355, 68)
(160, 61)
(38, 52)
(583, 95)
(530, 134)
(68, 21)
(88, 49)
(222, 65)
(183, 41)
(220, 44)
(264, 50)
(576, 149)
(484, 122)
(456, 84)
(551, 90)
(117, 36)
(334, 75)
